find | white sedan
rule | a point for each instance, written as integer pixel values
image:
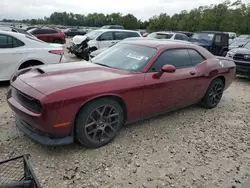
(18, 51)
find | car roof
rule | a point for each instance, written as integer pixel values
(212, 32)
(159, 43)
(11, 33)
(104, 30)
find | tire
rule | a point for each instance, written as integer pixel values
(224, 53)
(93, 127)
(213, 94)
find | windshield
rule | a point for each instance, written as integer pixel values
(125, 57)
(93, 34)
(203, 36)
(247, 45)
(238, 42)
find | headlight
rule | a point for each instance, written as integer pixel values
(230, 54)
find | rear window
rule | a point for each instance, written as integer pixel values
(44, 31)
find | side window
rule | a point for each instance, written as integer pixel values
(131, 34)
(106, 36)
(217, 39)
(178, 37)
(9, 42)
(196, 58)
(49, 31)
(177, 57)
(186, 38)
(120, 35)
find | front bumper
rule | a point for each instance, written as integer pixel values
(242, 68)
(41, 137)
(38, 126)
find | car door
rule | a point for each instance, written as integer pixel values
(171, 90)
(106, 39)
(11, 53)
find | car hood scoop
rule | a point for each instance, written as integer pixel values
(51, 78)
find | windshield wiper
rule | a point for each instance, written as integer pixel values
(104, 65)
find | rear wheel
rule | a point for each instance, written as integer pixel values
(213, 94)
(98, 122)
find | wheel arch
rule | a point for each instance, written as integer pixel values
(29, 61)
(222, 78)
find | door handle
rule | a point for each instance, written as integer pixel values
(192, 72)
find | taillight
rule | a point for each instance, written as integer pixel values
(58, 52)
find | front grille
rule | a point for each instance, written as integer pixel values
(28, 102)
(241, 57)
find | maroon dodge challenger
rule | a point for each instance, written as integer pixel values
(133, 80)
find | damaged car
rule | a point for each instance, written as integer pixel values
(135, 79)
(100, 38)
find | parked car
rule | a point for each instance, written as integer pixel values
(142, 31)
(232, 36)
(112, 27)
(238, 43)
(241, 57)
(49, 35)
(214, 41)
(102, 38)
(243, 37)
(19, 51)
(71, 32)
(168, 35)
(134, 80)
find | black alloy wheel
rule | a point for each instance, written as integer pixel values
(99, 122)
(213, 94)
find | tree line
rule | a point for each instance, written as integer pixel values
(226, 16)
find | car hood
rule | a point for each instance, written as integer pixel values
(240, 50)
(52, 78)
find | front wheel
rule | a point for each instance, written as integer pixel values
(98, 122)
(213, 94)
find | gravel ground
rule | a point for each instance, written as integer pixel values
(192, 147)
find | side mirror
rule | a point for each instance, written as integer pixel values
(165, 68)
(168, 68)
(241, 45)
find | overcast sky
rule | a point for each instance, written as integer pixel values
(142, 9)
